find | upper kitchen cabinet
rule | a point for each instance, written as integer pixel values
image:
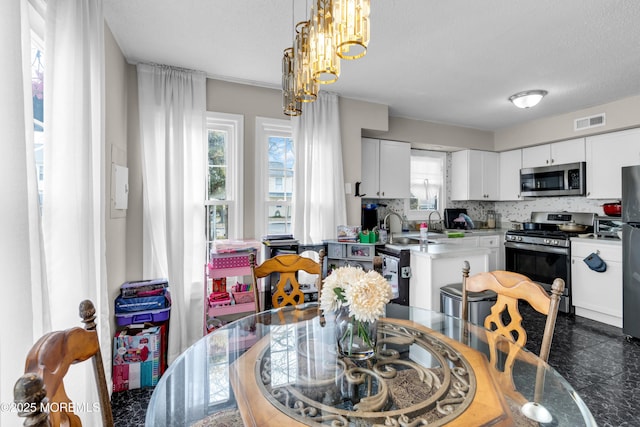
(557, 153)
(510, 165)
(474, 175)
(606, 154)
(386, 169)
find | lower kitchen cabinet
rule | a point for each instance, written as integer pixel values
(496, 246)
(597, 296)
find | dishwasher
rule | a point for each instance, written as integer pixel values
(395, 268)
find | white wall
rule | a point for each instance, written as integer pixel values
(116, 124)
(621, 114)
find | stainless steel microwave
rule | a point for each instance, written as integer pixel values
(557, 180)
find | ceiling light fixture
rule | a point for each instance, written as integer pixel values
(325, 63)
(290, 105)
(337, 29)
(352, 27)
(527, 99)
(306, 86)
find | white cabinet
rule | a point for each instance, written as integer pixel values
(557, 153)
(430, 272)
(595, 295)
(509, 182)
(474, 175)
(386, 169)
(606, 154)
(496, 256)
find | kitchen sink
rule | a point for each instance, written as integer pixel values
(400, 241)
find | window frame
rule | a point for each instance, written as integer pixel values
(266, 127)
(233, 124)
(419, 215)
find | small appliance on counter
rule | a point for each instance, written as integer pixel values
(369, 217)
(607, 226)
(449, 218)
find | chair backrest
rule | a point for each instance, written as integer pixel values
(287, 289)
(511, 287)
(46, 365)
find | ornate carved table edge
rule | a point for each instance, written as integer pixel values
(486, 407)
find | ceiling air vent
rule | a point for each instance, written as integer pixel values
(589, 122)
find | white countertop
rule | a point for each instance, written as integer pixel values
(443, 250)
(600, 240)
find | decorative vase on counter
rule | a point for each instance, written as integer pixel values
(356, 339)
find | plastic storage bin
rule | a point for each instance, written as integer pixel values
(479, 303)
(148, 316)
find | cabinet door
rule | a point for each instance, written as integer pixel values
(557, 153)
(460, 175)
(474, 175)
(495, 257)
(533, 157)
(570, 151)
(509, 179)
(370, 167)
(489, 175)
(395, 169)
(600, 292)
(606, 154)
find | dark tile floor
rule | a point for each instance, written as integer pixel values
(596, 359)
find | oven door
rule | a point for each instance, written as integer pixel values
(541, 264)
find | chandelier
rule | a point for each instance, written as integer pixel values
(337, 29)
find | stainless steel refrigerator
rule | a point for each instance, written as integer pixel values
(631, 251)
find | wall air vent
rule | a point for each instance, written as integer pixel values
(589, 122)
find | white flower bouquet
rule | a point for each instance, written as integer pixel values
(364, 296)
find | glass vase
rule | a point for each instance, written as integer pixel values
(356, 339)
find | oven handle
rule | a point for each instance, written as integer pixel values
(537, 248)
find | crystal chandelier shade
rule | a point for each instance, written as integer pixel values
(325, 63)
(352, 27)
(306, 88)
(290, 105)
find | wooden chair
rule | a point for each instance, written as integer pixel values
(510, 288)
(287, 290)
(46, 365)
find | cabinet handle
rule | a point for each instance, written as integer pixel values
(552, 160)
(547, 161)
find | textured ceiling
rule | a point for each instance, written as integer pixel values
(454, 61)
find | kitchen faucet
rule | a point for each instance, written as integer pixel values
(384, 223)
(429, 218)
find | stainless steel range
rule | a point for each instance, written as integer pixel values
(542, 252)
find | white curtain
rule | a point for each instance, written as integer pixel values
(318, 192)
(22, 316)
(74, 192)
(172, 119)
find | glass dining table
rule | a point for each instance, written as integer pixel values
(281, 368)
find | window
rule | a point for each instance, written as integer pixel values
(274, 175)
(427, 184)
(36, 21)
(224, 178)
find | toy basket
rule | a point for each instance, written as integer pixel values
(230, 260)
(243, 297)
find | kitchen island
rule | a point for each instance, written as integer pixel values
(439, 265)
